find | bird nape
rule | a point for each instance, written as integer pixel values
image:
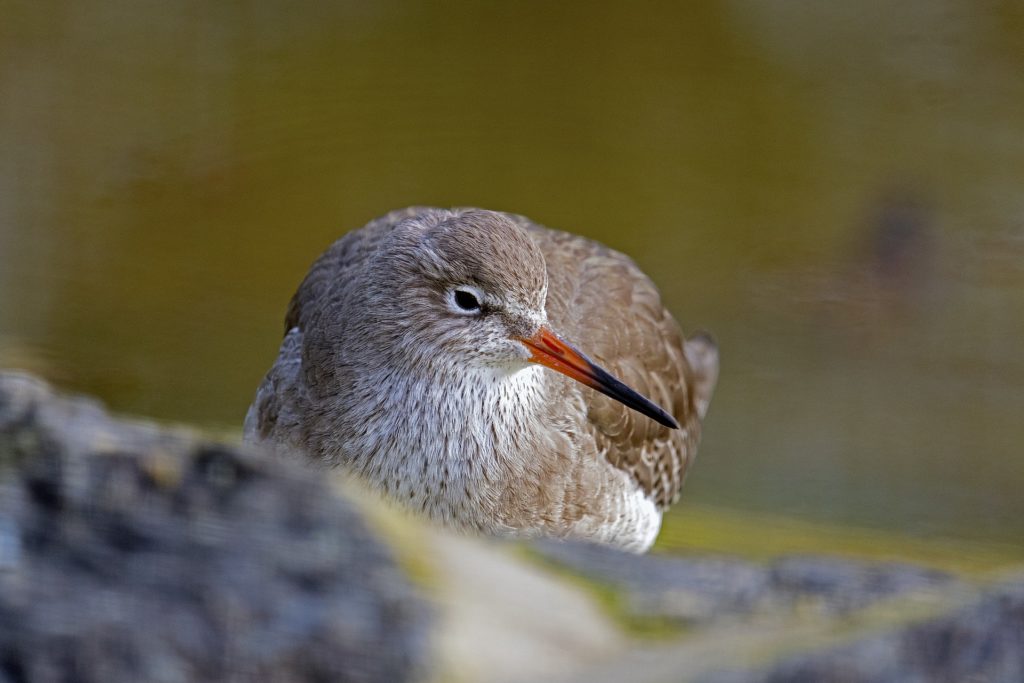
(445, 357)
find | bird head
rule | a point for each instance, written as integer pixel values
(467, 289)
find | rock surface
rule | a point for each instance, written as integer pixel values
(806, 619)
(694, 591)
(982, 641)
(131, 553)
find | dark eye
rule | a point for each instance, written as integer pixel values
(467, 301)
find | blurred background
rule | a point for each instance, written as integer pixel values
(835, 190)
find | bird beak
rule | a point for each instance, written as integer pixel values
(549, 350)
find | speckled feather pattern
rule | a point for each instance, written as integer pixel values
(371, 378)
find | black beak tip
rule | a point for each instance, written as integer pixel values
(611, 386)
(667, 420)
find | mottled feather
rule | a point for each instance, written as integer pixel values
(605, 304)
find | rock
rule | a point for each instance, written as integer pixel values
(802, 619)
(686, 590)
(133, 553)
(507, 620)
(842, 585)
(698, 590)
(982, 641)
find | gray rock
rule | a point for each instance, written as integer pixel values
(131, 553)
(695, 590)
(983, 641)
(842, 585)
(688, 590)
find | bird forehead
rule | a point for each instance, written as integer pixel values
(488, 248)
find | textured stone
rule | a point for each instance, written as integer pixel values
(982, 641)
(696, 590)
(132, 553)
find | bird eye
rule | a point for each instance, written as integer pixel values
(466, 301)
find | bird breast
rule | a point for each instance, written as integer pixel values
(449, 445)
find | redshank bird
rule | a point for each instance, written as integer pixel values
(440, 356)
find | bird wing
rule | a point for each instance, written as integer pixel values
(603, 303)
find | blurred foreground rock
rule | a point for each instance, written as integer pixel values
(131, 553)
(806, 619)
(981, 641)
(698, 591)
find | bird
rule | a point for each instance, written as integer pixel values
(441, 357)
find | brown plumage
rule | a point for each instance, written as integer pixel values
(383, 372)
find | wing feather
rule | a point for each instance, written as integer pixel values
(603, 302)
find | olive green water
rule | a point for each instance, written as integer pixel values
(836, 190)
